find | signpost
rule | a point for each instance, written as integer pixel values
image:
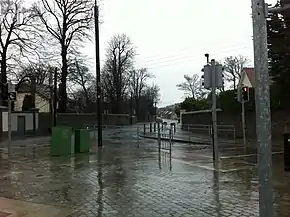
(213, 79)
(11, 97)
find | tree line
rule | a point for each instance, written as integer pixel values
(199, 98)
(48, 34)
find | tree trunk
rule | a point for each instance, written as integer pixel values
(63, 93)
(137, 102)
(235, 86)
(3, 82)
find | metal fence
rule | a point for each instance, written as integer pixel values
(227, 132)
(113, 134)
(162, 133)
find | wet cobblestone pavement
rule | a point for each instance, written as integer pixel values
(129, 180)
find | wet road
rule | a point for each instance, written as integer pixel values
(131, 179)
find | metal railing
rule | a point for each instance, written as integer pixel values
(224, 131)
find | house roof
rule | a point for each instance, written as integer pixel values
(251, 75)
(42, 90)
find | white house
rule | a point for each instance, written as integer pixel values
(42, 97)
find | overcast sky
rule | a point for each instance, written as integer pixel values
(172, 36)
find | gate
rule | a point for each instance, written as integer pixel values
(161, 133)
(113, 134)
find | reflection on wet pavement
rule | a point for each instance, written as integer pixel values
(124, 180)
(16, 208)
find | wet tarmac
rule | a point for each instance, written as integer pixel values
(128, 177)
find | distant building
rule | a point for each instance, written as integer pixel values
(42, 97)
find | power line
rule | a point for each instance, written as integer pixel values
(180, 60)
(182, 50)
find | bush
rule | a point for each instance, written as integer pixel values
(190, 104)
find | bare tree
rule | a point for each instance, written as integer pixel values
(116, 72)
(17, 35)
(152, 92)
(137, 83)
(201, 92)
(190, 86)
(80, 75)
(68, 23)
(233, 66)
(39, 72)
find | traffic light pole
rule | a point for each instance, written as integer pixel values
(214, 115)
(244, 125)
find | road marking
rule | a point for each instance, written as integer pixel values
(205, 156)
(212, 168)
(231, 148)
(248, 155)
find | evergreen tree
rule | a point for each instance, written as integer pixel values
(279, 55)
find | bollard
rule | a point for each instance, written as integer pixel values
(159, 137)
(144, 130)
(174, 128)
(170, 141)
(150, 127)
(154, 127)
(138, 138)
(286, 151)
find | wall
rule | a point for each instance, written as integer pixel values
(44, 121)
(14, 119)
(90, 119)
(80, 120)
(279, 118)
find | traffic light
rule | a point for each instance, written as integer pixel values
(206, 77)
(219, 77)
(245, 94)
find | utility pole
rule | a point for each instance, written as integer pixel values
(55, 97)
(98, 76)
(50, 81)
(263, 113)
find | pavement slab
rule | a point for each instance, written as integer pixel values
(16, 208)
(125, 179)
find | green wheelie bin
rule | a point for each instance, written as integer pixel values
(62, 141)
